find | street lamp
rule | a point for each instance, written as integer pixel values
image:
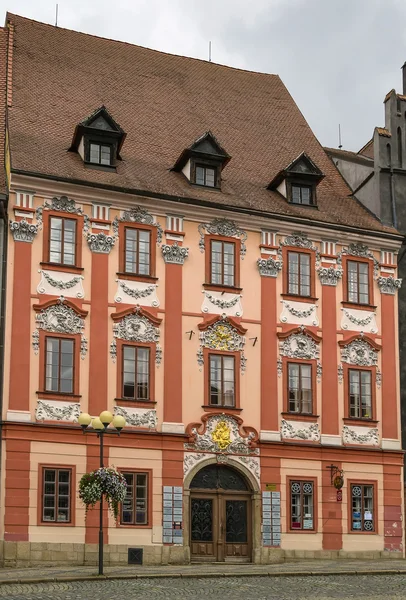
(100, 426)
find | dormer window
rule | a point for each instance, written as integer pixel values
(203, 162)
(205, 176)
(302, 194)
(99, 154)
(98, 140)
(298, 181)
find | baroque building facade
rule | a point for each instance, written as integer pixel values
(239, 312)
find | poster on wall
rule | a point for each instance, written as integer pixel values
(307, 523)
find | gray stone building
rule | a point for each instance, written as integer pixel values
(377, 176)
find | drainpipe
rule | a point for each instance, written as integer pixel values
(3, 258)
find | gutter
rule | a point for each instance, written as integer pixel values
(3, 268)
(215, 205)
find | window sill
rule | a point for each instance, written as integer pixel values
(211, 188)
(301, 531)
(56, 524)
(357, 532)
(109, 168)
(220, 409)
(300, 417)
(129, 526)
(300, 205)
(229, 289)
(135, 277)
(298, 298)
(134, 403)
(369, 307)
(355, 421)
(59, 267)
(56, 395)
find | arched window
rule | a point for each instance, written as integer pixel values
(388, 155)
(399, 147)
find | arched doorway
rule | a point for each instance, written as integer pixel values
(220, 515)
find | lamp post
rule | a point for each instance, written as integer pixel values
(100, 426)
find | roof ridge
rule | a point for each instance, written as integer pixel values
(11, 16)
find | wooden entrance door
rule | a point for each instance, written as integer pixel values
(220, 517)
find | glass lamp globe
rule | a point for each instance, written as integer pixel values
(106, 417)
(84, 419)
(97, 424)
(119, 422)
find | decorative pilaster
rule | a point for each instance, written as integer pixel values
(329, 384)
(269, 267)
(330, 275)
(100, 242)
(174, 256)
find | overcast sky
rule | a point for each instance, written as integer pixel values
(338, 58)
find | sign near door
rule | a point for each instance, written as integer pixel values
(270, 487)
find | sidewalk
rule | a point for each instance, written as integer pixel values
(292, 569)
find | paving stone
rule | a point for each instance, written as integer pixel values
(317, 587)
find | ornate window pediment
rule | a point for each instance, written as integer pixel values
(223, 334)
(299, 343)
(136, 325)
(138, 215)
(222, 433)
(360, 351)
(223, 227)
(60, 316)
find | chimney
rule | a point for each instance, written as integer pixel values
(404, 78)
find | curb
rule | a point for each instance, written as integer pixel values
(73, 578)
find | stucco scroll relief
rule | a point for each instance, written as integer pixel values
(300, 430)
(330, 275)
(138, 215)
(389, 285)
(66, 205)
(299, 345)
(49, 410)
(359, 250)
(224, 434)
(135, 327)
(299, 312)
(174, 253)
(136, 292)
(60, 318)
(222, 335)
(100, 243)
(224, 227)
(23, 231)
(191, 459)
(138, 417)
(218, 303)
(299, 239)
(270, 267)
(55, 282)
(361, 435)
(359, 352)
(358, 320)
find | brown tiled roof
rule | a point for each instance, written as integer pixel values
(384, 132)
(348, 155)
(368, 149)
(3, 90)
(163, 102)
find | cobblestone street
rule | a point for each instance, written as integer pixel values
(345, 587)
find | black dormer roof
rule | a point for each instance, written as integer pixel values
(205, 147)
(302, 168)
(100, 122)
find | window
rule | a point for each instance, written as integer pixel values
(302, 194)
(222, 380)
(358, 282)
(301, 505)
(137, 251)
(299, 274)
(362, 508)
(136, 373)
(360, 394)
(99, 154)
(222, 263)
(299, 388)
(59, 365)
(56, 495)
(206, 176)
(134, 509)
(62, 241)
